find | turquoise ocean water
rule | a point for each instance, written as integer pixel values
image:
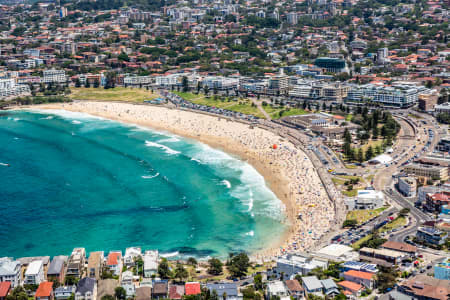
(74, 180)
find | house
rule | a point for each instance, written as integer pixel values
(312, 285)
(106, 287)
(400, 247)
(95, 264)
(127, 283)
(10, 271)
(86, 289)
(131, 254)
(44, 291)
(276, 289)
(5, 287)
(55, 271)
(176, 291)
(330, 288)
(114, 262)
(64, 292)
(431, 236)
(229, 289)
(144, 293)
(160, 289)
(192, 288)
(353, 288)
(291, 265)
(364, 278)
(383, 257)
(76, 263)
(425, 287)
(151, 259)
(295, 289)
(34, 273)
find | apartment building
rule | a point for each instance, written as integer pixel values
(10, 271)
(434, 172)
(34, 273)
(54, 76)
(76, 262)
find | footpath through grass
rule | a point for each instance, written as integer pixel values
(114, 94)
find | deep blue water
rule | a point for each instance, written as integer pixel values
(78, 181)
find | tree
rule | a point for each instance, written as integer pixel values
(163, 269)
(107, 297)
(350, 223)
(386, 279)
(120, 293)
(238, 265)
(369, 153)
(77, 83)
(206, 90)
(71, 280)
(18, 293)
(215, 266)
(192, 261)
(123, 57)
(180, 272)
(360, 155)
(185, 84)
(96, 83)
(257, 281)
(87, 84)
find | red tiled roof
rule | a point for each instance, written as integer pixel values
(359, 274)
(45, 289)
(350, 285)
(192, 288)
(113, 258)
(4, 288)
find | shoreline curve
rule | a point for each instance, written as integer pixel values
(287, 170)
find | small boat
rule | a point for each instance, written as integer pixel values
(5, 165)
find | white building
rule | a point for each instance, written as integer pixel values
(10, 271)
(407, 186)
(131, 254)
(290, 265)
(137, 80)
(366, 199)
(54, 76)
(277, 289)
(9, 87)
(338, 253)
(292, 18)
(151, 259)
(34, 273)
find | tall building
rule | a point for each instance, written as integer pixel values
(292, 18)
(382, 54)
(334, 65)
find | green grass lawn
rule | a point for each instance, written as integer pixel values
(338, 180)
(114, 94)
(356, 245)
(348, 118)
(188, 96)
(351, 193)
(398, 222)
(274, 112)
(240, 105)
(290, 112)
(362, 216)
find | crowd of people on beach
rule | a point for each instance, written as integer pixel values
(310, 211)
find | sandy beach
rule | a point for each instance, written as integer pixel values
(287, 170)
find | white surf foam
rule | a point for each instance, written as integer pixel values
(169, 140)
(150, 176)
(47, 118)
(170, 254)
(166, 149)
(76, 122)
(250, 233)
(226, 183)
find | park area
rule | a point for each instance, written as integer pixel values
(113, 94)
(234, 104)
(365, 215)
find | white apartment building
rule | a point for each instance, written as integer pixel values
(34, 273)
(9, 88)
(54, 76)
(151, 259)
(10, 271)
(407, 186)
(137, 80)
